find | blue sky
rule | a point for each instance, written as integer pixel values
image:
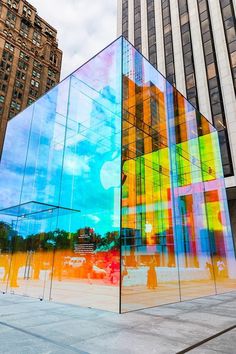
(84, 27)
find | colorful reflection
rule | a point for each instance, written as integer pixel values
(176, 237)
(60, 190)
(113, 169)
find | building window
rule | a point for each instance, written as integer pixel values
(190, 80)
(37, 66)
(26, 11)
(53, 58)
(137, 25)
(37, 22)
(19, 85)
(34, 83)
(52, 74)
(5, 66)
(36, 74)
(125, 18)
(3, 87)
(37, 38)
(9, 46)
(17, 94)
(20, 75)
(229, 22)
(50, 82)
(24, 29)
(15, 105)
(22, 65)
(10, 19)
(33, 92)
(24, 56)
(7, 56)
(215, 94)
(168, 42)
(4, 76)
(14, 6)
(49, 32)
(152, 33)
(30, 101)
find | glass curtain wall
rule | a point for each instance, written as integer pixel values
(176, 237)
(113, 169)
(60, 190)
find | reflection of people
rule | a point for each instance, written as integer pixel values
(114, 273)
(210, 268)
(58, 265)
(5, 263)
(36, 265)
(124, 271)
(220, 268)
(88, 269)
(151, 277)
(18, 260)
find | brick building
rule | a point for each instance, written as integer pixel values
(30, 60)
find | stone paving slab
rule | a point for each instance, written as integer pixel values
(39, 327)
(226, 343)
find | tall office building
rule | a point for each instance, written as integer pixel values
(193, 44)
(30, 61)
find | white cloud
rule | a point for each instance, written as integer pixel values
(76, 165)
(84, 27)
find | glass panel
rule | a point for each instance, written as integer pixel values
(176, 237)
(89, 265)
(12, 172)
(222, 247)
(149, 262)
(32, 259)
(71, 160)
(193, 246)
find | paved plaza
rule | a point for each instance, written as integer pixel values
(205, 325)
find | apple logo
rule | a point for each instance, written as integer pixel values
(110, 173)
(148, 227)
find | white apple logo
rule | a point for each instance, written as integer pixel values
(110, 173)
(148, 227)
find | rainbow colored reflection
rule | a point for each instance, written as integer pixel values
(112, 192)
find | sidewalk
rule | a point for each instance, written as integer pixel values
(30, 326)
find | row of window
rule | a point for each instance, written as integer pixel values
(137, 25)
(13, 3)
(5, 67)
(27, 12)
(152, 33)
(22, 69)
(125, 18)
(217, 108)
(228, 17)
(53, 55)
(168, 42)
(9, 46)
(191, 88)
(25, 27)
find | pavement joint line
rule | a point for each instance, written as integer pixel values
(61, 345)
(171, 304)
(198, 344)
(131, 327)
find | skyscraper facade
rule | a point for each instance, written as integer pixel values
(193, 44)
(30, 61)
